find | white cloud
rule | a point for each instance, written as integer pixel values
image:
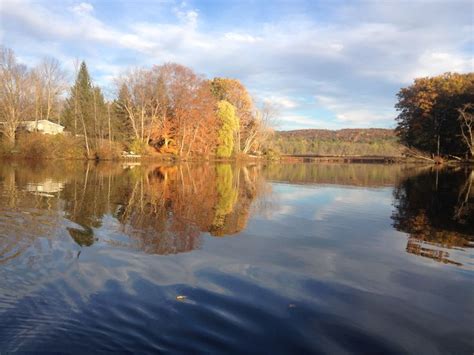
(355, 113)
(298, 120)
(305, 121)
(242, 37)
(433, 63)
(83, 8)
(280, 101)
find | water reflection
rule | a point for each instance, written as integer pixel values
(436, 209)
(160, 209)
(164, 209)
(319, 258)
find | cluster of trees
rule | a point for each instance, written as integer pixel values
(374, 142)
(27, 94)
(437, 116)
(166, 108)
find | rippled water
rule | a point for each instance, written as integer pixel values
(253, 259)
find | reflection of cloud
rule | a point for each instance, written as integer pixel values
(281, 209)
(299, 194)
(352, 200)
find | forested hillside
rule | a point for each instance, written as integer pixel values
(373, 141)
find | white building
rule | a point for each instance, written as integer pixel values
(43, 126)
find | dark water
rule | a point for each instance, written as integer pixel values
(250, 259)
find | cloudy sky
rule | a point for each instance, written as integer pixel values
(325, 64)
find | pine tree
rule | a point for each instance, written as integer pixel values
(86, 111)
(123, 129)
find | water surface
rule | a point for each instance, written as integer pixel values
(279, 258)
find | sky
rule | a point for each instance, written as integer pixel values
(323, 64)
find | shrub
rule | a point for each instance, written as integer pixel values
(139, 147)
(41, 146)
(108, 151)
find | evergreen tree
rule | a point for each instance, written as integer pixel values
(86, 112)
(122, 128)
(80, 101)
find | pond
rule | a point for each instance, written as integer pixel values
(257, 258)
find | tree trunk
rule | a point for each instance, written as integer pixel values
(10, 136)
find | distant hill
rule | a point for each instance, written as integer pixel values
(350, 141)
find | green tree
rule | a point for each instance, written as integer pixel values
(229, 123)
(122, 129)
(85, 112)
(234, 92)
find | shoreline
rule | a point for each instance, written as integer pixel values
(296, 158)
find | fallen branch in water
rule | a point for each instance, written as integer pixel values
(415, 155)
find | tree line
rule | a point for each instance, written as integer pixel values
(163, 109)
(373, 142)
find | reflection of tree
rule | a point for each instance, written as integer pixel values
(148, 214)
(369, 175)
(158, 209)
(25, 216)
(85, 238)
(226, 197)
(465, 208)
(165, 210)
(433, 208)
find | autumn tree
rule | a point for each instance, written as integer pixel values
(138, 97)
(234, 92)
(259, 129)
(169, 107)
(428, 118)
(229, 123)
(15, 94)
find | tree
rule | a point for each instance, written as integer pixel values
(171, 108)
(121, 125)
(235, 93)
(49, 82)
(428, 118)
(466, 119)
(15, 94)
(138, 97)
(85, 112)
(259, 128)
(229, 123)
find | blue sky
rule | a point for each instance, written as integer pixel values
(324, 64)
